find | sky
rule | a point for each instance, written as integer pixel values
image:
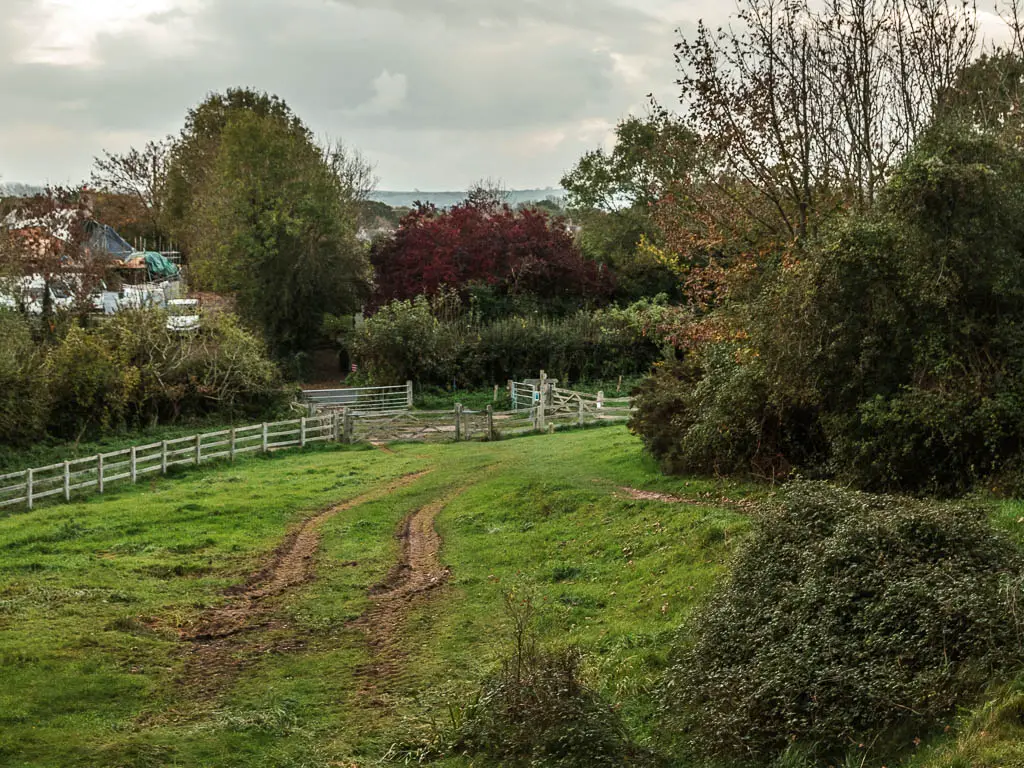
(438, 94)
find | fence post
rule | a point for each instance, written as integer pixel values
(99, 473)
(580, 404)
(458, 422)
(533, 416)
(302, 432)
(67, 481)
(132, 463)
(334, 427)
(542, 414)
(264, 437)
(490, 418)
(199, 449)
(349, 427)
(163, 457)
(495, 393)
(233, 443)
(600, 399)
(28, 487)
(408, 392)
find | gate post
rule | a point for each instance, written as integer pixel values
(408, 392)
(580, 404)
(349, 427)
(458, 422)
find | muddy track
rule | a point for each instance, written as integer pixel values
(409, 583)
(216, 653)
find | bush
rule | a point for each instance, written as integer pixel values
(712, 414)
(130, 371)
(445, 345)
(88, 387)
(846, 619)
(536, 709)
(24, 402)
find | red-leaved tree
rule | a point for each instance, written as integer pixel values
(515, 252)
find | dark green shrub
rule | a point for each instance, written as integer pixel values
(434, 345)
(846, 619)
(712, 414)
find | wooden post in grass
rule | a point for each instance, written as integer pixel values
(335, 427)
(163, 457)
(458, 422)
(28, 487)
(67, 481)
(408, 393)
(234, 443)
(350, 427)
(579, 403)
(302, 432)
(490, 418)
(495, 393)
(618, 389)
(99, 473)
(542, 414)
(133, 463)
(600, 399)
(199, 449)
(264, 437)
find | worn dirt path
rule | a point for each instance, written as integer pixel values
(411, 581)
(706, 500)
(216, 655)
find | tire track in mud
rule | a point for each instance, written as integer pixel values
(416, 578)
(218, 653)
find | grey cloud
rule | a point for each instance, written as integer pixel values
(474, 87)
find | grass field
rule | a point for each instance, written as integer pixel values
(161, 625)
(99, 600)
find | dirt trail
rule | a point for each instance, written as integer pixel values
(416, 575)
(706, 500)
(215, 654)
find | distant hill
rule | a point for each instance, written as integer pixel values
(446, 199)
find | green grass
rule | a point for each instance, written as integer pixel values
(93, 594)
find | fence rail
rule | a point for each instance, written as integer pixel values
(365, 399)
(349, 425)
(130, 464)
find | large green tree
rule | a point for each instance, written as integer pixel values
(194, 151)
(275, 226)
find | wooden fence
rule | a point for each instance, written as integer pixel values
(101, 471)
(347, 425)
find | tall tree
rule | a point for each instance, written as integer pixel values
(196, 149)
(275, 225)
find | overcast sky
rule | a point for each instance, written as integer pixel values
(437, 93)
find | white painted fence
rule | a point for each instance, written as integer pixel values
(100, 471)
